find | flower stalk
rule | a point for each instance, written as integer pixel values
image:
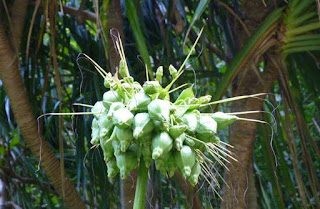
(141, 187)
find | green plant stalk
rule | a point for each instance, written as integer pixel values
(301, 38)
(303, 29)
(306, 43)
(302, 19)
(141, 187)
(300, 8)
(300, 49)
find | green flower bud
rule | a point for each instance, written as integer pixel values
(139, 102)
(114, 106)
(126, 162)
(190, 119)
(142, 125)
(115, 143)
(161, 163)
(164, 94)
(98, 108)
(113, 169)
(123, 69)
(128, 90)
(216, 140)
(171, 165)
(137, 86)
(190, 142)
(197, 113)
(107, 149)
(152, 87)
(95, 132)
(185, 159)
(166, 164)
(113, 135)
(206, 126)
(106, 83)
(146, 151)
(116, 147)
(161, 126)
(207, 138)
(178, 142)
(106, 126)
(196, 102)
(159, 73)
(161, 145)
(195, 173)
(124, 136)
(193, 101)
(223, 120)
(110, 97)
(176, 130)
(115, 84)
(173, 71)
(122, 118)
(107, 80)
(205, 99)
(129, 80)
(159, 110)
(178, 120)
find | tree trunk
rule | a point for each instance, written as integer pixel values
(242, 134)
(18, 15)
(242, 137)
(128, 187)
(16, 91)
(252, 191)
(114, 22)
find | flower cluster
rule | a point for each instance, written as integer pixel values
(135, 124)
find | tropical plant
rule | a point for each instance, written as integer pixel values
(247, 47)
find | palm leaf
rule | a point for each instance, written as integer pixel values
(246, 51)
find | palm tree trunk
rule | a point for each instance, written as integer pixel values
(19, 102)
(242, 137)
(114, 21)
(18, 15)
(240, 177)
(252, 192)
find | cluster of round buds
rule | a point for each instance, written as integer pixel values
(135, 121)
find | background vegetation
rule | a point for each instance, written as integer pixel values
(248, 46)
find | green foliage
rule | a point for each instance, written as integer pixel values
(282, 171)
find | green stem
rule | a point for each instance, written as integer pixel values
(141, 187)
(303, 29)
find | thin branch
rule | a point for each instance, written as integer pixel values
(213, 48)
(79, 14)
(26, 180)
(245, 28)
